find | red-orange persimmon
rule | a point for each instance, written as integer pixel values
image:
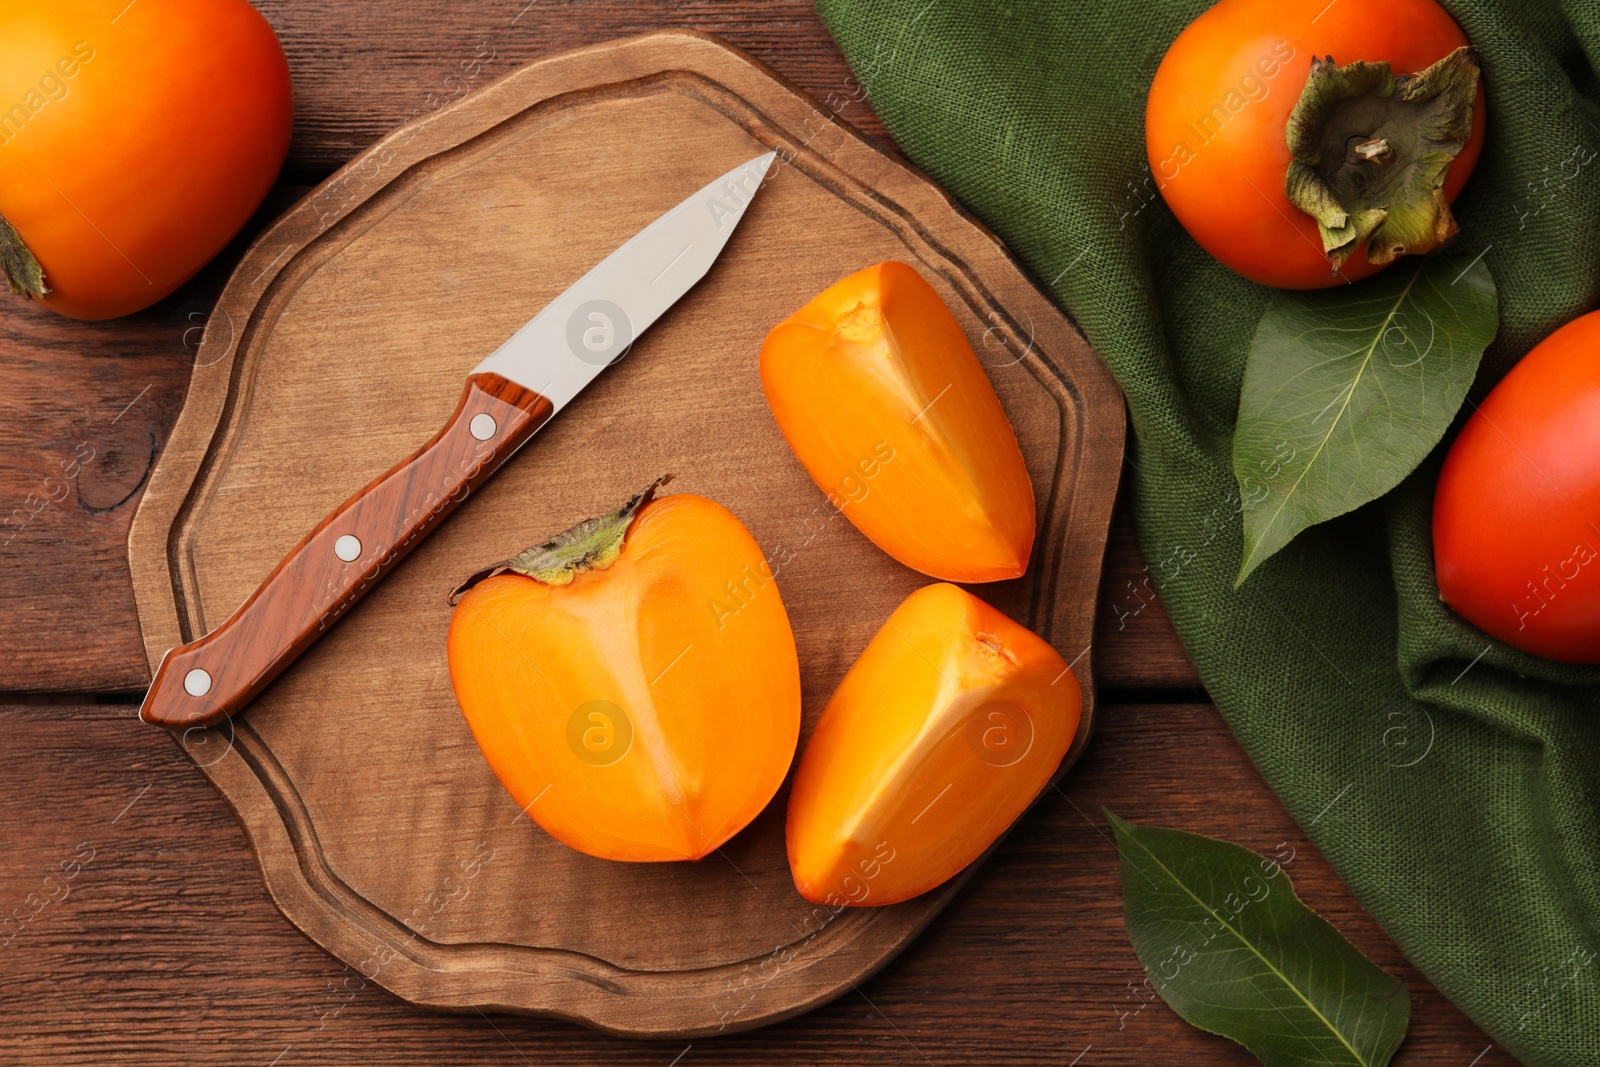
(1219, 109)
(1516, 518)
(135, 140)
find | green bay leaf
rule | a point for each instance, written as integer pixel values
(1346, 390)
(1228, 944)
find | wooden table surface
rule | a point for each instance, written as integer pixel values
(165, 945)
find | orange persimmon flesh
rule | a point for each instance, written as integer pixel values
(644, 707)
(941, 734)
(878, 392)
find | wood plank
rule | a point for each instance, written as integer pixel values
(1139, 648)
(166, 947)
(359, 71)
(85, 408)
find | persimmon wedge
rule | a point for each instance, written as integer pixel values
(878, 392)
(633, 682)
(942, 732)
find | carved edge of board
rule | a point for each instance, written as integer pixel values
(1081, 496)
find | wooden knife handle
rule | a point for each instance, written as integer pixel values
(346, 555)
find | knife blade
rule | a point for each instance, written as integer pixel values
(508, 397)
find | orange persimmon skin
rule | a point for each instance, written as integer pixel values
(878, 392)
(1514, 516)
(941, 734)
(139, 139)
(1219, 106)
(683, 650)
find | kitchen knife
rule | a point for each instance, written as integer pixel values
(508, 397)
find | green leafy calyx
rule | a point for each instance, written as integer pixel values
(592, 545)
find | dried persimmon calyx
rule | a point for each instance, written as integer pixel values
(1371, 150)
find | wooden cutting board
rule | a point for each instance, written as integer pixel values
(340, 344)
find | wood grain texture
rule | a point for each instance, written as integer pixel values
(1132, 629)
(313, 587)
(166, 949)
(103, 394)
(355, 776)
(359, 70)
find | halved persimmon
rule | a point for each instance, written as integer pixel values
(941, 734)
(633, 682)
(880, 396)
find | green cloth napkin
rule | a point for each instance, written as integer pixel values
(1453, 782)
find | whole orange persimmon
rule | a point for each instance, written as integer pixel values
(136, 139)
(877, 390)
(942, 732)
(633, 682)
(1367, 114)
(1516, 517)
